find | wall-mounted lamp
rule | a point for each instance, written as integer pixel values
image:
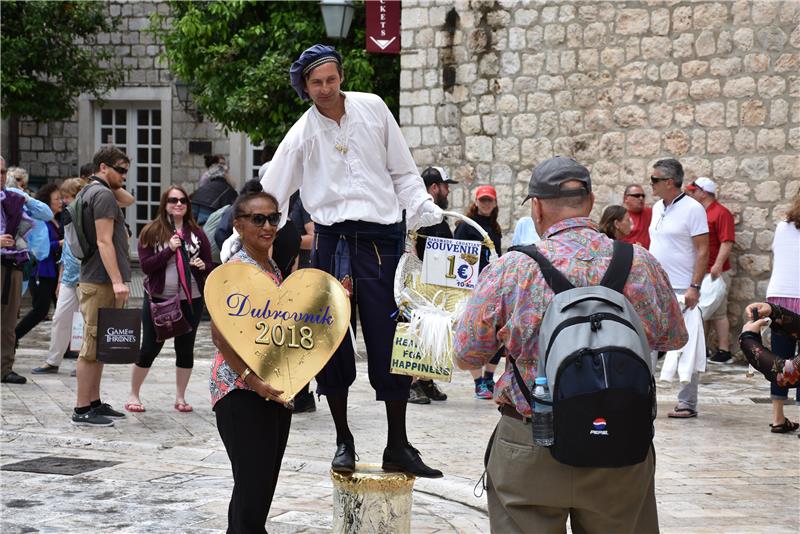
(184, 92)
(338, 16)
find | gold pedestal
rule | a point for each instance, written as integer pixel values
(372, 501)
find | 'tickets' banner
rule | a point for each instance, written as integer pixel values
(383, 26)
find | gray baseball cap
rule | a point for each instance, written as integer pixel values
(549, 175)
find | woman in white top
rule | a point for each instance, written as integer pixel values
(784, 290)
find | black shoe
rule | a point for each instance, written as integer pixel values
(345, 459)
(105, 410)
(430, 389)
(90, 418)
(416, 395)
(721, 357)
(13, 378)
(46, 369)
(407, 459)
(304, 403)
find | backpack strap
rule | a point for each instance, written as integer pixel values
(619, 268)
(557, 281)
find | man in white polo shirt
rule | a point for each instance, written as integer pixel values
(679, 241)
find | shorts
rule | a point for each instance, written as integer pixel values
(93, 297)
(722, 311)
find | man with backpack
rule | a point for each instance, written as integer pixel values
(104, 277)
(565, 311)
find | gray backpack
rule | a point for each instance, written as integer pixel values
(596, 357)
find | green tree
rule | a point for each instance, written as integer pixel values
(236, 58)
(49, 57)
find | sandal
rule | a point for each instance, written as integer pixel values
(134, 407)
(183, 407)
(682, 413)
(783, 428)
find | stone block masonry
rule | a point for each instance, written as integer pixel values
(51, 150)
(617, 85)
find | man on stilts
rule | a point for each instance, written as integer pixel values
(356, 176)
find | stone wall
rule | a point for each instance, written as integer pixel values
(489, 89)
(51, 150)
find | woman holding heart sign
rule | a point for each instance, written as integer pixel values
(254, 432)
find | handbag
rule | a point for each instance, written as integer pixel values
(118, 335)
(168, 318)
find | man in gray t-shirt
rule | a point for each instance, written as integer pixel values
(101, 204)
(103, 279)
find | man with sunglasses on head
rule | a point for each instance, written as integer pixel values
(679, 241)
(356, 177)
(640, 214)
(105, 274)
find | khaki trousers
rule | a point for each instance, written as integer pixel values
(530, 492)
(11, 281)
(93, 297)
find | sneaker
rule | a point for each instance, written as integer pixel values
(105, 410)
(90, 418)
(481, 391)
(73, 373)
(489, 384)
(430, 389)
(416, 394)
(45, 369)
(721, 357)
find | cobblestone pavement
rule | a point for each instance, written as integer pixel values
(721, 472)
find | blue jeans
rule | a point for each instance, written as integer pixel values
(785, 347)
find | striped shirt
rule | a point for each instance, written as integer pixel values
(511, 297)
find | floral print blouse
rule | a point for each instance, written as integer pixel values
(785, 372)
(223, 379)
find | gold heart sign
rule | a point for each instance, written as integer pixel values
(286, 334)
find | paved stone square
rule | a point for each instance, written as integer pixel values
(720, 472)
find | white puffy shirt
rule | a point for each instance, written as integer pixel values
(371, 177)
(785, 278)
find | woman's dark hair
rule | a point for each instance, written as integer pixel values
(611, 215)
(472, 212)
(251, 186)
(793, 215)
(211, 159)
(244, 200)
(161, 229)
(44, 192)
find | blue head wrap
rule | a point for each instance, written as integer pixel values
(308, 61)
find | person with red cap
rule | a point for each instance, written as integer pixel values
(483, 210)
(721, 237)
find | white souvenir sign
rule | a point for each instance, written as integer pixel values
(451, 262)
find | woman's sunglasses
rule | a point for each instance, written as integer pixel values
(177, 200)
(637, 195)
(258, 219)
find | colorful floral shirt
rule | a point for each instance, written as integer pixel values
(223, 379)
(509, 301)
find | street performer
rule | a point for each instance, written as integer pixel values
(356, 175)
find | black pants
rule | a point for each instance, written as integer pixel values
(254, 432)
(375, 250)
(43, 291)
(184, 345)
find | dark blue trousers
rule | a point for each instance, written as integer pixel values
(374, 251)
